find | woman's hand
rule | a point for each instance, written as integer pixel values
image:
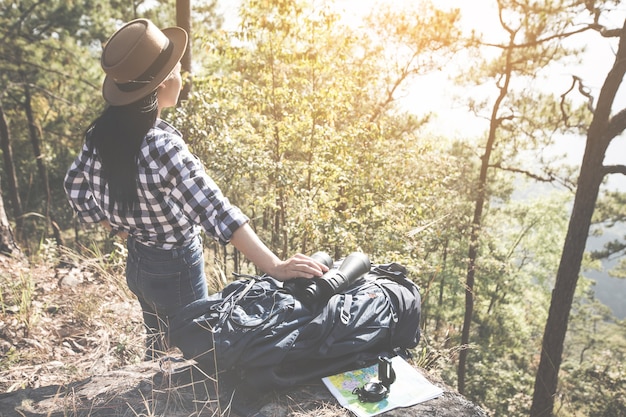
(109, 228)
(298, 266)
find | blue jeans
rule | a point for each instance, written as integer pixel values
(164, 281)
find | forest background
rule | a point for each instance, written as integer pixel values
(301, 117)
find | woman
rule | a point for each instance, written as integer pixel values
(136, 176)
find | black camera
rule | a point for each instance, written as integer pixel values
(353, 267)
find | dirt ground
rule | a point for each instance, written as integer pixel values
(64, 321)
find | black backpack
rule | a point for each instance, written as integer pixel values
(263, 337)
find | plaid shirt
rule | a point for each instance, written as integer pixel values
(176, 196)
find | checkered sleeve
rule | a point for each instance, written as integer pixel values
(199, 196)
(79, 192)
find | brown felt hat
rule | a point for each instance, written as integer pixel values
(138, 58)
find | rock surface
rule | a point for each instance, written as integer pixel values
(147, 390)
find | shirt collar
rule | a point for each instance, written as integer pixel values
(163, 125)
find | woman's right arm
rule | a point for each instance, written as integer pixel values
(253, 248)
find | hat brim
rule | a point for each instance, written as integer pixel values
(116, 97)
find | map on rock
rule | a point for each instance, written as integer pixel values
(409, 388)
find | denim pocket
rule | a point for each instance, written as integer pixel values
(166, 279)
(193, 256)
(162, 289)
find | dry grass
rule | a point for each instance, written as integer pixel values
(66, 317)
(73, 317)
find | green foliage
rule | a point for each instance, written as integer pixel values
(49, 64)
(595, 389)
(593, 380)
(609, 216)
(517, 263)
(294, 115)
(296, 118)
(523, 122)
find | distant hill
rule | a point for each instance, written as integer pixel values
(610, 291)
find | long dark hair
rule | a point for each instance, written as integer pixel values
(117, 135)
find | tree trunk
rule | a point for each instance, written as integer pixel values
(7, 243)
(476, 224)
(183, 19)
(566, 280)
(601, 131)
(35, 140)
(9, 170)
(34, 134)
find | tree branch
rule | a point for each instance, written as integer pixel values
(616, 125)
(549, 177)
(614, 169)
(584, 91)
(540, 41)
(610, 33)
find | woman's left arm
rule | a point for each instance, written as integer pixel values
(79, 192)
